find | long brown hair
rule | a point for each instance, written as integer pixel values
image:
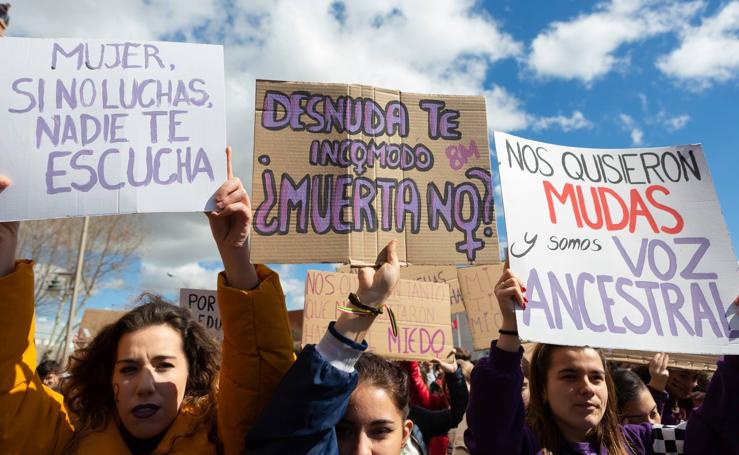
(541, 420)
(89, 394)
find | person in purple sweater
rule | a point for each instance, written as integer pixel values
(570, 411)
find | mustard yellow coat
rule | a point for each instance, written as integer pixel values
(257, 351)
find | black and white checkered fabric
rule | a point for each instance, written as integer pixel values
(668, 439)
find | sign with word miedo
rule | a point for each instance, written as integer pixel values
(339, 170)
(93, 127)
(619, 248)
(421, 309)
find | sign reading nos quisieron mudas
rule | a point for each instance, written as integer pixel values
(619, 248)
(339, 170)
(91, 127)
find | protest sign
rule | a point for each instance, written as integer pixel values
(430, 273)
(619, 248)
(477, 285)
(422, 311)
(339, 170)
(204, 308)
(94, 320)
(437, 274)
(92, 127)
(693, 362)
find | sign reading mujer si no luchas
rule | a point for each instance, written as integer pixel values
(90, 127)
(619, 248)
(339, 170)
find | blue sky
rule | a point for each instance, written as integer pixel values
(607, 74)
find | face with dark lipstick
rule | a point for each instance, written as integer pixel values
(149, 379)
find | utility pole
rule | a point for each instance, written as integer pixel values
(75, 290)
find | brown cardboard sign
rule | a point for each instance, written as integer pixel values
(422, 311)
(431, 274)
(339, 170)
(694, 362)
(477, 285)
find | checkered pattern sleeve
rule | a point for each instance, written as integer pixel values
(668, 439)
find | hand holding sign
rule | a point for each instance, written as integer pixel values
(373, 291)
(230, 225)
(509, 290)
(8, 238)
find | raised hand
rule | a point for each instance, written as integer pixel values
(658, 372)
(509, 291)
(375, 286)
(230, 224)
(8, 238)
(450, 366)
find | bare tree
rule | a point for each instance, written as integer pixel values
(111, 244)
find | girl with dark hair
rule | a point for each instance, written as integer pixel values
(572, 407)
(151, 382)
(335, 399)
(636, 404)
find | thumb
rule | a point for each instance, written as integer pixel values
(365, 275)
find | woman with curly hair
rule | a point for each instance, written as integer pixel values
(151, 382)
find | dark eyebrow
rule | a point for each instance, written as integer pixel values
(382, 422)
(576, 370)
(157, 358)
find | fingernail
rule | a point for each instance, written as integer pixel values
(525, 299)
(523, 288)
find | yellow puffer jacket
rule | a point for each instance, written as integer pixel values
(257, 351)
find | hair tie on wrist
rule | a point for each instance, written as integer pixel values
(508, 332)
(366, 310)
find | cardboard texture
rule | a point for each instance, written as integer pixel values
(336, 184)
(422, 310)
(93, 127)
(621, 248)
(203, 307)
(93, 321)
(695, 362)
(483, 314)
(430, 273)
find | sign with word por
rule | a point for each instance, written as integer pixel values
(619, 248)
(203, 306)
(339, 170)
(422, 311)
(430, 273)
(93, 127)
(477, 285)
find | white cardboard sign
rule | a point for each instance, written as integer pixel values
(203, 306)
(92, 127)
(622, 248)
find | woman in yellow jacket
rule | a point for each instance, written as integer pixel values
(149, 383)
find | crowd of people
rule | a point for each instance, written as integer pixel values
(156, 382)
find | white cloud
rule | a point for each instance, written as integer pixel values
(576, 121)
(644, 102)
(168, 280)
(629, 125)
(707, 53)
(586, 47)
(673, 123)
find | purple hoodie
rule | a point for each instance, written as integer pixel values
(495, 413)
